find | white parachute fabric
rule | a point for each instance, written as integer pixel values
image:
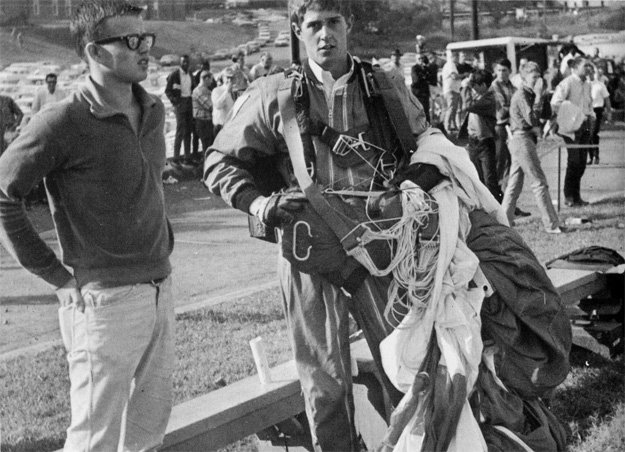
(453, 309)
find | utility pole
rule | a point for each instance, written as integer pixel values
(475, 34)
(451, 19)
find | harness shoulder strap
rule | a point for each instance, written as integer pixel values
(378, 83)
(293, 139)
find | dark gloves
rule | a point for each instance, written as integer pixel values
(424, 175)
(278, 208)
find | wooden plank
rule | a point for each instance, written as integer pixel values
(573, 285)
(233, 412)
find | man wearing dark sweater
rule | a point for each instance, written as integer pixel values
(480, 127)
(101, 153)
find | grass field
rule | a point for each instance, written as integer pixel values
(213, 344)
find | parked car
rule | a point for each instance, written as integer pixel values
(252, 47)
(262, 42)
(170, 60)
(221, 54)
(282, 41)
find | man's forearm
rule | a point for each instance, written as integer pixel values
(19, 237)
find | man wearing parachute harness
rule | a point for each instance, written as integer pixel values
(335, 138)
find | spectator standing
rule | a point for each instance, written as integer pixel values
(241, 75)
(553, 77)
(600, 104)
(211, 84)
(223, 99)
(10, 118)
(421, 80)
(465, 68)
(451, 91)
(503, 90)
(421, 45)
(525, 129)
(203, 110)
(180, 86)
(48, 93)
(205, 66)
(102, 153)
(480, 128)
(395, 67)
(263, 67)
(576, 90)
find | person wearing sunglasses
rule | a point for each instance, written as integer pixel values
(102, 154)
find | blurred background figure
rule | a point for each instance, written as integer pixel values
(203, 110)
(10, 118)
(180, 86)
(48, 93)
(422, 78)
(223, 99)
(600, 105)
(263, 67)
(241, 75)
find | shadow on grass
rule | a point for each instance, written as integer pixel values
(591, 392)
(43, 445)
(31, 300)
(215, 316)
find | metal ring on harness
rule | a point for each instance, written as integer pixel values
(305, 258)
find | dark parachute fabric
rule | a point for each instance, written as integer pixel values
(526, 320)
(525, 316)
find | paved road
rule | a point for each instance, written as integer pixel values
(214, 257)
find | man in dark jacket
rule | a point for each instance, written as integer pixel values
(480, 127)
(422, 78)
(180, 86)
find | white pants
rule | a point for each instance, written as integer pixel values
(121, 359)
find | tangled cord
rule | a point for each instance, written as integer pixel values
(413, 262)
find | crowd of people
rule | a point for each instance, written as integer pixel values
(336, 144)
(478, 113)
(202, 101)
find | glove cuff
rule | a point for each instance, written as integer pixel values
(244, 199)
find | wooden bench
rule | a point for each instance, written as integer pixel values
(575, 285)
(246, 407)
(223, 416)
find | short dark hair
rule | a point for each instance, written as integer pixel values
(577, 61)
(51, 75)
(298, 8)
(86, 24)
(480, 76)
(504, 62)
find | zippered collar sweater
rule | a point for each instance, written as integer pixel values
(104, 183)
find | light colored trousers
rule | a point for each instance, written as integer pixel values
(452, 104)
(121, 359)
(525, 161)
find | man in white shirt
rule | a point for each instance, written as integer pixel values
(576, 89)
(600, 104)
(451, 90)
(48, 93)
(223, 99)
(263, 67)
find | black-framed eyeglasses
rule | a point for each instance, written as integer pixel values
(133, 41)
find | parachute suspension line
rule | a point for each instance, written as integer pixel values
(346, 144)
(416, 256)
